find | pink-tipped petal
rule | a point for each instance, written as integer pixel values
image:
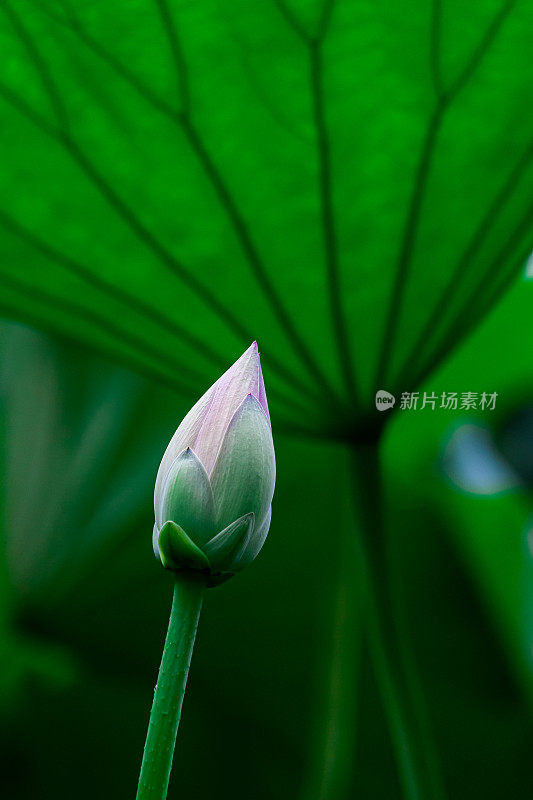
(205, 425)
(261, 391)
(245, 471)
(186, 433)
(227, 394)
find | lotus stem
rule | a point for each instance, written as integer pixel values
(414, 755)
(170, 689)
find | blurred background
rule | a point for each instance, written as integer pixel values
(84, 604)
(350, 184)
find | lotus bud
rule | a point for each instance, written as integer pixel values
(214, 487)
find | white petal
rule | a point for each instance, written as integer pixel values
(155, 542)
(187, 498)
(225, 550)
(255, 543)
(245, 472)
(203, 428)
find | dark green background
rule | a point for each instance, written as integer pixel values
(349, 183)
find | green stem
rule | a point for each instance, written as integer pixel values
(415, 764)
(431, 756)
(331, 768)
(170, 688)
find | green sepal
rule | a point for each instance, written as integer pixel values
(178, 551)
(225, 550)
